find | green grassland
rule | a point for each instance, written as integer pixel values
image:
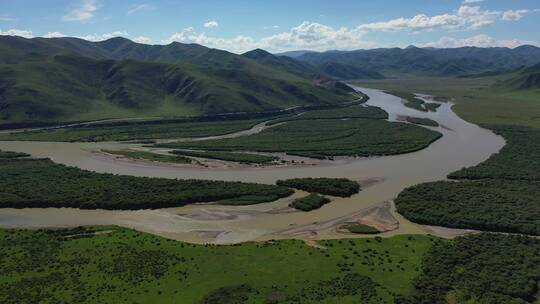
(48, 81)
(329, 186)
(326, 138)
(500, 194)
(248, 158)
(150, 156)
(10, 154)
(487, 205)
(310, 202)
(133, 131)
(479, 269)
(356, 111)
(478, 100)
(42, 183)
(112, 265)
(519, 159)
(414, 102)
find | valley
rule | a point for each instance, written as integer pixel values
(383, 176)
(182, 173)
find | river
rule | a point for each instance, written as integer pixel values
(462, 144)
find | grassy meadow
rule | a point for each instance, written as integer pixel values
(112, 265)
(477, 100)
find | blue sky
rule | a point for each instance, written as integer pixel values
(278, 26)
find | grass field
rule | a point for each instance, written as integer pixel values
(10, 155)
(134, 131)
(111, 264)
(326, 138)
(248, 158)
(329, 186)
(478, 100)
(42, 183)
(356, 111)
(310, 202)
(500, 194)
(414, 102)
(150, 156)
(360, 229)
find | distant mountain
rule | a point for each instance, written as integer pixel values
(299, 68)
(342, 71)
(524, 79)
(294, 54)
(324, 71)
(284, 63)
(428, 61)
(67, 79)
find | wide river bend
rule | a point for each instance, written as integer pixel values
(463, 144)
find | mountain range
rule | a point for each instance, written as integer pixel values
(395, 62)
(45, 80)
(69, 79)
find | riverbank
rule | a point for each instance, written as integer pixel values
(262, 222)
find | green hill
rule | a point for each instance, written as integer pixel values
(68, 79)
(524, 79)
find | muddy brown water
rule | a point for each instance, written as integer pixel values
(463, 144)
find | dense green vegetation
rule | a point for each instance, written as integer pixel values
(134, 131)
(414, 102)
(9, 154)
(356, 111)
(248, 158)
(422, 121)
(479, 100)
(489, 205)
(480, 268)
(518, 159)
(66, 79)
(360, 229)
(326, 138)
(311, 202)
(150, 156)
(329, 186)
(524, 79)
(111, 265)
(42, 183)
(500, 194)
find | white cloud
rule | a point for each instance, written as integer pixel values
(513, 15)
(83, 12)
(308, 35)
(211, 24)
(101, 37)
(4, 18)
(139, 7)
(142, 39)
(54, 35)
(466, 17)
(471, 1)
(316, 36)
(236, 44)
(18, 32)
(479, 41)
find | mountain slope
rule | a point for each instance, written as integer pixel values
(524, 79)
(429, 61)
(68, 79)
(342, 71)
